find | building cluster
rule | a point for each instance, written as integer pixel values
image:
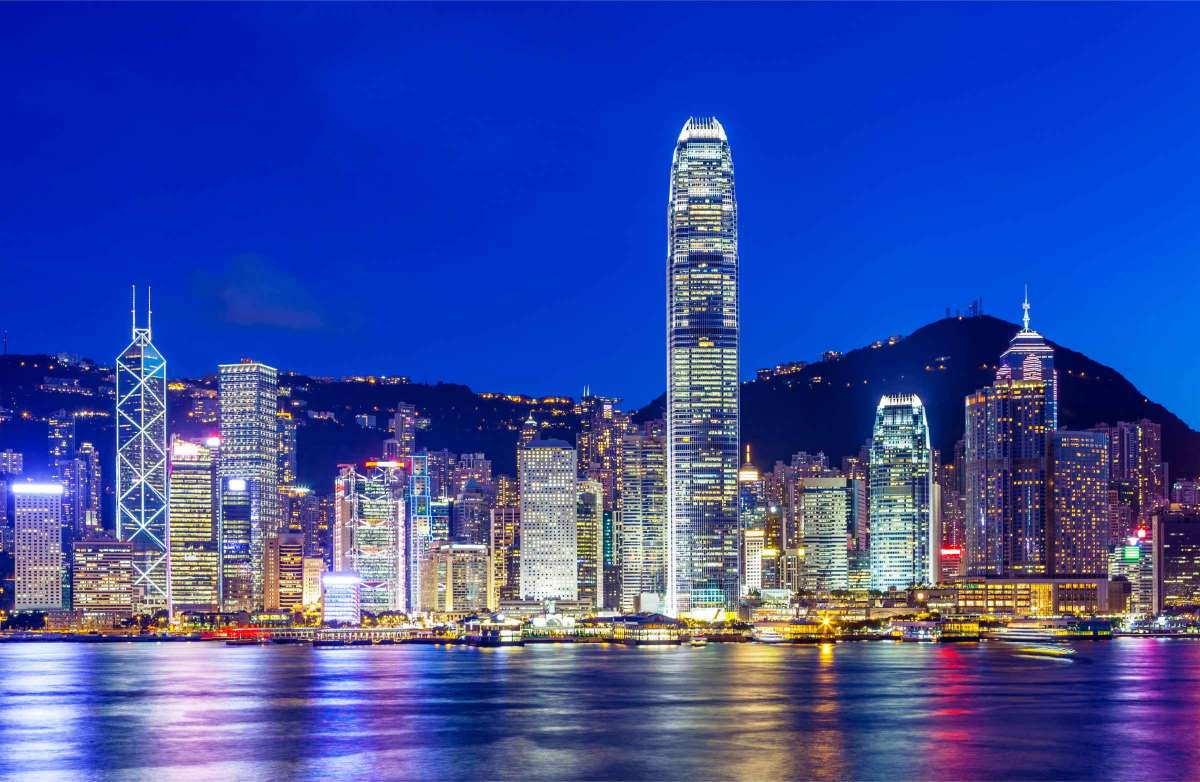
(660, 516)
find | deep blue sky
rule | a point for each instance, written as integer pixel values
(477, 193)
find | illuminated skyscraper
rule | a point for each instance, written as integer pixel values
(369, 526)
(457, 578)
(418, 531)
(505, 545)
(239, 498)
(589, 514)
(195, 526)
(37, 546)
(1077, 503)
(825, 524)
(141, 415)
(250, 451)
(1137, 470)
(1004, 465)
(702, 371)
(549, 547)
(903, 538)
(642, 542)
(102, 577)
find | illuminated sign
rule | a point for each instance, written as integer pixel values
(36, 488)
(1131, 553)
(951, 552)
(237, 484)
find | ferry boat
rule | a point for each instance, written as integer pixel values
(1048, 630)
(767, 635)
(247, 641)
(490, 636)
(1052, 650)
(698, 640)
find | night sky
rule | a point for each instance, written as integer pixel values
(478, 193)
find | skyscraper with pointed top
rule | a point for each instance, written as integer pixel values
(141, 413)
(1004, 465)
(702, 371)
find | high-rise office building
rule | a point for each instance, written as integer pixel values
(369, 529)
(825, 502)
(60, 434)
(1176, 541)
(141, 416)
(195, 526)
(92, 489)
(903, 537)
(239, 498)
(289, 551)
(589, 537)
(505, 547)
(1135, 459)
(470, 514)
(37, 546)
(249, 393)
(403, 442)
(1077, 534)
(1004, 463)
(642, 542)
(286, 456)
(102, 577)
(702, 371)
(549, 546)
(418, 518)
(457, 579)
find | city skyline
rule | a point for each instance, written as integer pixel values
(215, 269)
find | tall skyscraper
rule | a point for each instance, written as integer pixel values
(141, 415)
(702, 371)
(825, 524)
(37, 546)
(505, 547)
(1004, 465)
(589, 536)
(549, 547)
(1077, 497)
(195, 526)
(1176, 540)
(249, 393)
(1138, 472)
(370, 524)
(903, 538)
(418, 518)
(239, 499)
(642, 542)
(102, 578)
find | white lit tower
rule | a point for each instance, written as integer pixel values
(702, 371)
(142, 463)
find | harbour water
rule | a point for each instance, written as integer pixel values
(1121, 709)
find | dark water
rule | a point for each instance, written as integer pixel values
(1128, 709)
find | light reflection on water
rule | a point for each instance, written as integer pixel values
(1123, 709)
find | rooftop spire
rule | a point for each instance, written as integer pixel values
(1025, 307)
(149, 311)
(133, 307)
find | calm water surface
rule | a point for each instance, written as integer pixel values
(1126, 709)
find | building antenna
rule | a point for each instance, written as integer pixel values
(1025, 306)
(133, 308)
(149, 311)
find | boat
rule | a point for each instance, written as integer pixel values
(698, 640)
(244, 642)
(1052, 650)
(767, 635)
